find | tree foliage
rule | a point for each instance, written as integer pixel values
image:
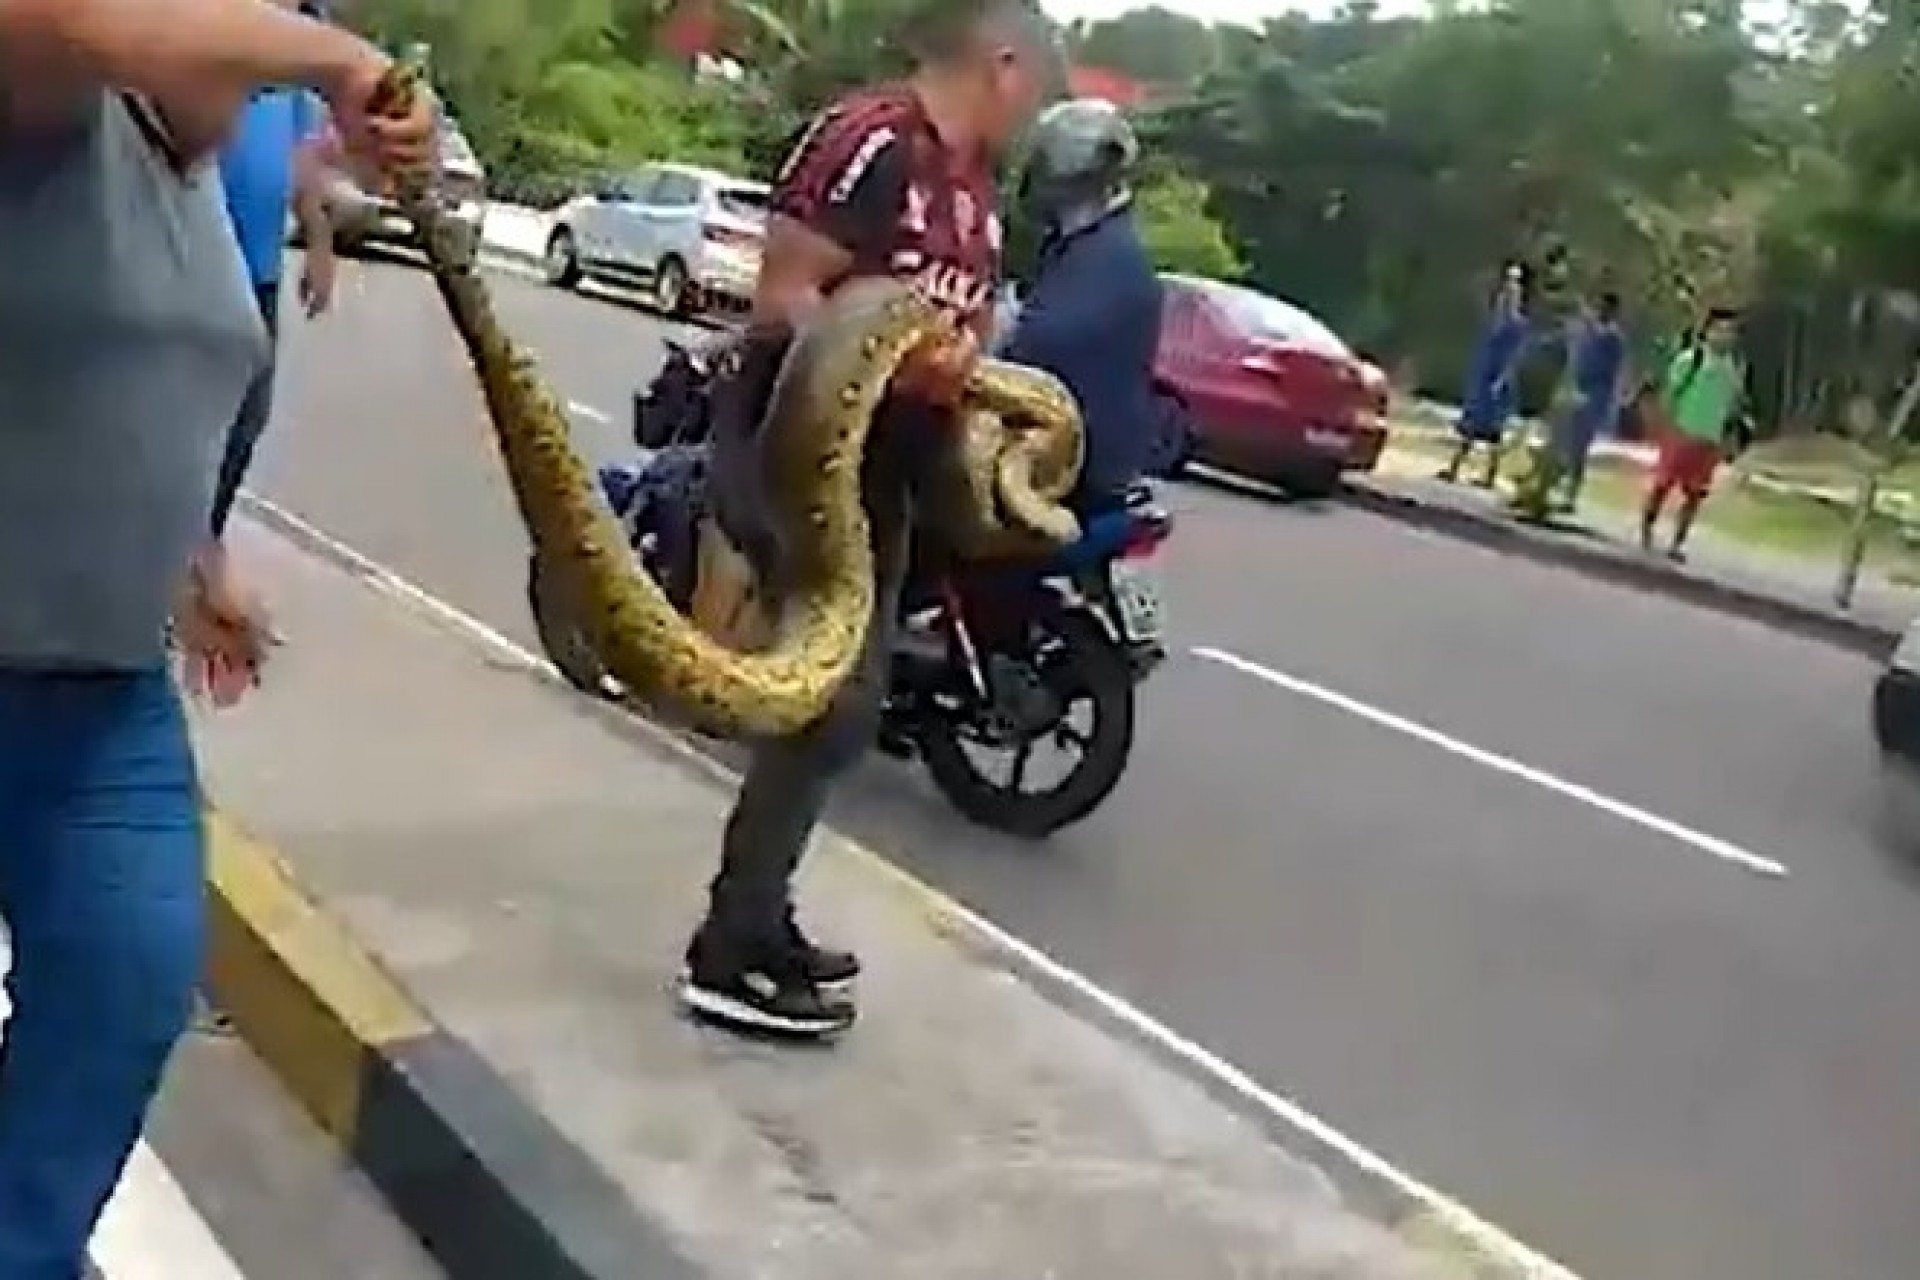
(1179, 233)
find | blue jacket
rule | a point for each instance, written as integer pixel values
(1092, 320)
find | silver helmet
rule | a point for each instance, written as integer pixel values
(1081, 156)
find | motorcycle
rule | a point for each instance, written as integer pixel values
(994, 660)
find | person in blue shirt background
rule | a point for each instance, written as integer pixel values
(1597, 362)
(271, 167)
(1091, 316)
(1493, 382)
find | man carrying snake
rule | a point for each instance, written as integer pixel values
(895, 181)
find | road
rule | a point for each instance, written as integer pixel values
(1561, 897)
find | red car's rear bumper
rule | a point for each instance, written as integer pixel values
(1354, 446)
(1367, 440)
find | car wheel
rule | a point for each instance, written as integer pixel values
(1896, 820)
(1176, 438)
(1310, 482)
(671, 291)
(562, 260)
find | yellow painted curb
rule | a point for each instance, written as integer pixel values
(309, 1001)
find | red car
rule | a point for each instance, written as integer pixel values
(1270, 391)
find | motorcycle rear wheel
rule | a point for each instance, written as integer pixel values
(1089, 667)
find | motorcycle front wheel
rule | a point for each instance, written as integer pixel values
(1083, 669)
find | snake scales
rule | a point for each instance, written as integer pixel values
(1014, 454)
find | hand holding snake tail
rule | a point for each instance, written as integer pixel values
(1016, 453)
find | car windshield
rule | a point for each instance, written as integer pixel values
(745, 202)
(1271, 318)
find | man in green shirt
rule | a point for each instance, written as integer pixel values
(1700, 399)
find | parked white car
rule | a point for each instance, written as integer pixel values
(689, 237)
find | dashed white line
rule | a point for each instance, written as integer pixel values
(587, 411)
(1699, 841)
(1283, 1112)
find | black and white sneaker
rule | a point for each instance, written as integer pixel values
(832, 971)
(756, 1001)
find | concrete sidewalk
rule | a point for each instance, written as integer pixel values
(527, 866)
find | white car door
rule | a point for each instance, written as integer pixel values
(671, 209)
(588, 220)
(629, 221)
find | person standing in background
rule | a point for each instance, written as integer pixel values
(1700, 402)
(1493, 383)
(272, 166)
(1597, 364)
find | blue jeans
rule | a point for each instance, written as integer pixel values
(103, 894)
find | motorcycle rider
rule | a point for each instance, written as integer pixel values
(896, 181)
(1091, 316)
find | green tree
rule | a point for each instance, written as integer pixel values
(1180, 233)
(1154, 45)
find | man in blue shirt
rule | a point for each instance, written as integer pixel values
(270, 166)
(1597, 364)
(1092, 315)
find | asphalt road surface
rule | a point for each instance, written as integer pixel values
(1562, 897)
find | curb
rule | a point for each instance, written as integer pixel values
(490, 1187)
(1602, 561)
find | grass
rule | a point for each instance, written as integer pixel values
(1763, 520)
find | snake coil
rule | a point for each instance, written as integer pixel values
(1014, 456)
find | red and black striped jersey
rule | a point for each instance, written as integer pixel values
(872, 174)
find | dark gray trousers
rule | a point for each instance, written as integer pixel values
(788, 780)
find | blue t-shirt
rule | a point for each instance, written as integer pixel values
(1598, 356)
(257, 169)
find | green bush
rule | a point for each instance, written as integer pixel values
(1180, 233)
(586, 119)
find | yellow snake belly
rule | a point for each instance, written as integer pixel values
(1013, 456)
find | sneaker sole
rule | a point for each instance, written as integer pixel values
(838, 988)
(719, 1007)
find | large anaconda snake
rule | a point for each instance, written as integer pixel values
(1015, 453)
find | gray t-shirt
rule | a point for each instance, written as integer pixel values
(127, 339)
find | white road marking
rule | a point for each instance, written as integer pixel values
(149, 1229)
(1282, 1111)
(1699, 841)
(587, 411)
